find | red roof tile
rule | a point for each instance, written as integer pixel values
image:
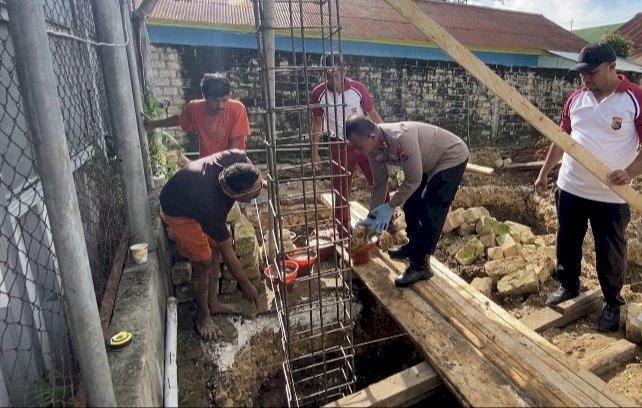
(474, 26)
(632, 30)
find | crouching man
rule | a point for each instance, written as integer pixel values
(195, 203)
(433, 161)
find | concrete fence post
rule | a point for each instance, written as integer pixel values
(118, 84)
(38, 86)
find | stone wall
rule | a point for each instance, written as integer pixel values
(441, 93)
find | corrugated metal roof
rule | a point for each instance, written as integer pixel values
(621, 64)
(474, 26)
(632, 30)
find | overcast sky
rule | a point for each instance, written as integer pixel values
(584, 13)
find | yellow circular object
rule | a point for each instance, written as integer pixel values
(120, 339)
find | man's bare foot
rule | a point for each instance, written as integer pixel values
(206, 328)
(223, 308)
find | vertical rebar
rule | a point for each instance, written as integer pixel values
(109, 29)
(38, 85)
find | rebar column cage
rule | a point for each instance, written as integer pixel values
(316, 328)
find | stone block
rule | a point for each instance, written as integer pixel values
(543, 270)
(543, 257)
(466, 229)
(157, 63)
(518, 283)
(521, 233)
(470, 252)
(184, 293)
(484, 225)
(483, 285)
(488, 240)
(235, 214)
(634, 322)
(508, 245)
(173, 65)
(472, 214)
(495, 253)
(499, 268)
(455, 246)
(181, 272)
(634, 252)
(250, 266)
(454, 219)
(245, 242)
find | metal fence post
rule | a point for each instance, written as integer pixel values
(38, 85)
(109, 29)
(136, 90)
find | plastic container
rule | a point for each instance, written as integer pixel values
(291, 270)
(139, 252)
(363, 255)
(305, 259)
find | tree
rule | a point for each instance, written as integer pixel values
(620, 44)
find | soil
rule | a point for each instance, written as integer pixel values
(252, 375)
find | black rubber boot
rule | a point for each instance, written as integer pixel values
(412, 274)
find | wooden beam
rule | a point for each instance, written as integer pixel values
(544, 376)
(475, 168)
(571, 305)
(466, 372)
(399, 390)
(111, 289)
(534, 165)
(547, 318)
(612, 356)
(510, 96)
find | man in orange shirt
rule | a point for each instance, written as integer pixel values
(221, 123)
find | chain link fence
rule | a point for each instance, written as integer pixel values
(37, 367)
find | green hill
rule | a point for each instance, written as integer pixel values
(593, 34)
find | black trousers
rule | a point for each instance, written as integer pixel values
(426, 211)
(608, 222)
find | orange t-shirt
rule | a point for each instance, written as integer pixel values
(215, 131)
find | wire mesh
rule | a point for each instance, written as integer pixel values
(37, 367)
(316, 329)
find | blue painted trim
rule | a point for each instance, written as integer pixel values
(234, 39)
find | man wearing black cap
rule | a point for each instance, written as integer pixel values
(604, 117)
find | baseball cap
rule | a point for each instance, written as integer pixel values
(592, 56)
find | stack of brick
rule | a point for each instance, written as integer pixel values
(247, 249)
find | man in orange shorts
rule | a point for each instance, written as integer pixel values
(195, 203)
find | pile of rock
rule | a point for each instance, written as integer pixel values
(516, 261)
(247, 250)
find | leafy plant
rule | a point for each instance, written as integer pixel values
(160, 142)
(620, 44)
(52, 389)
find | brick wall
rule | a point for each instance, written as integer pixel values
(441, 93)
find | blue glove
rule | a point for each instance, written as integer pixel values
(383, 215)
(368, 222)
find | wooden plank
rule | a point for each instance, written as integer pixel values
(399, 390)
(610, 357)
(583, 299)
(534, 165)
(111, 289)
(475, 168)
(529, 340)
(542, 383)
(466, 372)
(548, 318)
(510, 96)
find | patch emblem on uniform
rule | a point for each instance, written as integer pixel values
(616, 122)
(353, 111)
(401, 154)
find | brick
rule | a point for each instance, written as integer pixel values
(499, 268)
(518, 283)
(494, 253)
(634, 322)
(508, 245)
(483, 285)
(157, 63)
(454, 219)
(488, 240)
(470, 252)
(466, 229)
(472, 214)
(177, 82)
(521, 233)
(175, 65)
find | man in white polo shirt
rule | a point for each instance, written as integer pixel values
(337, 90)
(604, 117)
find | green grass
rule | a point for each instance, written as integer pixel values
(593, 34)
